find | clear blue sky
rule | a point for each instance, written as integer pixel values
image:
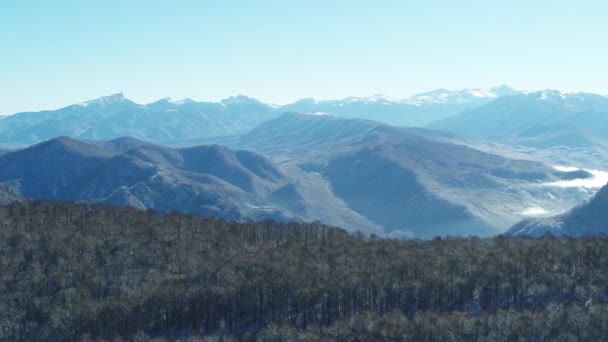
(54, 53)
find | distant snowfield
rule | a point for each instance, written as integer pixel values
(599, 179)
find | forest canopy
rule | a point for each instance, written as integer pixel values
(77, 271)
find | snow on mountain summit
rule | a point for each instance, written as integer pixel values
(110, 99)
(378, 98)
(104, 100)
(439, 96)
(444, 96)
(240, 100)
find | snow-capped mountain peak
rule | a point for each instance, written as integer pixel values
(504, 90)
(482, 93)
(378, 98)
(183, 101)
(167, 101)
(438, 96)
(239, 100)
(105, 100)
(444, 96)
(553, 94)
(177, 102)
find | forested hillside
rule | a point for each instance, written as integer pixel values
(76, 271)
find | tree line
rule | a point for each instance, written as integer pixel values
(82, 271)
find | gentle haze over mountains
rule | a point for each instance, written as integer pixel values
(503, 155)
(61, 52)
(303, 170)
(402, 118)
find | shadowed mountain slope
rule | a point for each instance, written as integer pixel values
(210, 180)
(412, 182)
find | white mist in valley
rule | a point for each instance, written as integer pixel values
(599, 179)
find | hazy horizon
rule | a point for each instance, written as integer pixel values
(64, 52)
(217, 100)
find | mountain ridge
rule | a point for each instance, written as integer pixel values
(166, 121)
(210, 180)
(515, 114)
(442, 171)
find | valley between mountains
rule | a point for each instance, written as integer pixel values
(488, 160)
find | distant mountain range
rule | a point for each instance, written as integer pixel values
(342, 169)
(167, 121)
(416, 110)
(115, 116)
(540, 119)
(588, 219)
